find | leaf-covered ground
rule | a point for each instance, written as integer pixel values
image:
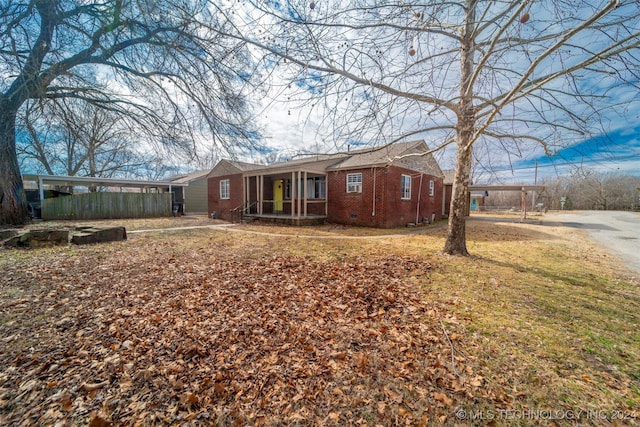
(142, 335)
(215, 328)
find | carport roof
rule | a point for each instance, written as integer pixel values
(103, 182)
(506, 187)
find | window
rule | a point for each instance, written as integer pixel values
(287, 189)
(316, 187)
(406, 187)
(432, 188)
(224, 189)
(354, 183)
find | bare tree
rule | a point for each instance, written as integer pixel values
(71, 137)
(512, 75)
(590, 189)
(157, 62)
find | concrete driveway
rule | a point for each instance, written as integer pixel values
(616, 231)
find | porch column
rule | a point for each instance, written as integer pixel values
(306, 190)
(293, 194)
(248, 187)
(245, 193)
(260, 194)
(41, 188)
(299, 192)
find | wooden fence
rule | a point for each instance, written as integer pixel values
(107, 205)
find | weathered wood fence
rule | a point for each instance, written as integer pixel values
(107, 205)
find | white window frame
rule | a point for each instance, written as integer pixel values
(354, 182)
(405, 187)
(225, 189)
(316, 187)
(321, 188)
(287, 189)
(432, 188)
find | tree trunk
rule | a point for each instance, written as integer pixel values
(456, 243)
(13, 200)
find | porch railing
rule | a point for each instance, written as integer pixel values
(238, 212)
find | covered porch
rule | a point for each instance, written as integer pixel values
(291, 196)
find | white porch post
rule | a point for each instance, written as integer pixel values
(41, 188)
(293, 194)
(299, 192)
(260, 194)
(245, 193)
(306, 190)
(248, 187)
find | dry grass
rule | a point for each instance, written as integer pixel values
(339, 230)
(132, 223)
(539, 319)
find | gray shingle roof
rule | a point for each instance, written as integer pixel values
(188, 177)
(399, 154)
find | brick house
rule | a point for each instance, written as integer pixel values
(385, 187)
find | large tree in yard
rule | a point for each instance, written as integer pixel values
(155, 62)
(511, 75)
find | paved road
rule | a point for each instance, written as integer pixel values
(618, 232)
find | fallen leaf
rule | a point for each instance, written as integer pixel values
(99, 421)
(443, 398)
(95, 386)
(189, 398)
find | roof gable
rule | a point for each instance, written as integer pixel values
(448, 176)
(231, 167)
(189, 177)
(411, 155)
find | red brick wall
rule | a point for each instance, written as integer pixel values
(389, 209)
(223, 207)
(350, 208)
(355, 208)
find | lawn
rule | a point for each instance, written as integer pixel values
(214, 327)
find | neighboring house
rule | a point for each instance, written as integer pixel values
(195, 194)
(384, 187)
(476, 198)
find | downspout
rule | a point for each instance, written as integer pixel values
(373, 208)
(419, 194)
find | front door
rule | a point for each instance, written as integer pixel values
(278, 191)
(474, 204)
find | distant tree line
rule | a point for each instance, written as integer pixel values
(583, 189)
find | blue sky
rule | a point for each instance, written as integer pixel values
(294, 126)
(617, 152)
